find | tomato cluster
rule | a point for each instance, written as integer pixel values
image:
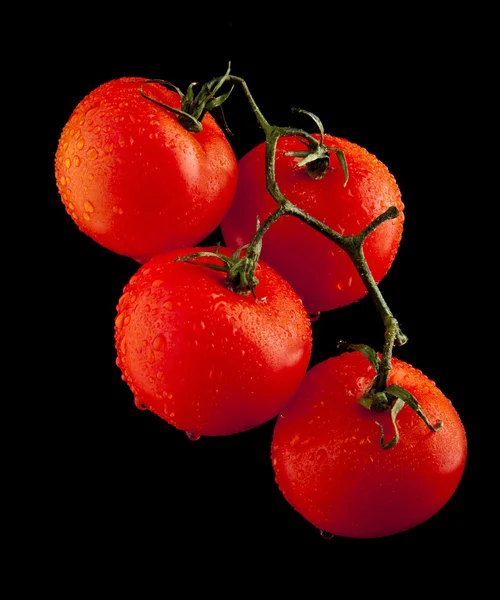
(215, 344)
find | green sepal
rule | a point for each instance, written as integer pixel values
(367, 351)
(343, 162)
(408, 398)
(193, 107)
(319, 154)
(398, 405)
(239, 269)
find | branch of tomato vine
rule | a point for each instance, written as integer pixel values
(352, 245)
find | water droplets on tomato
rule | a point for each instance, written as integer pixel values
(193, 437)
(92, 153)
(325, 535)
(342, 285)
(321, 455)
(219, 306)
(139, 404)
(159, 342)
(119, 320)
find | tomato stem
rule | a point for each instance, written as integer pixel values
(352, 245)
(391, 331)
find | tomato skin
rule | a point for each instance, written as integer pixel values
(330, 466)
(134, 179)
(205, 359)
(320, 271)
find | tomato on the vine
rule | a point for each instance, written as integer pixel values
(331, 467)
(134, 179)
(206, 359)
(321, 272)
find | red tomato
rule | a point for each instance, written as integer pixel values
(322, 273)
(205, 359)
(134, 179)
(331, 468)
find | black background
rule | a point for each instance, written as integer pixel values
(119, 479)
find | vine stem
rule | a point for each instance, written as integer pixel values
(391, 331)
(352, 245)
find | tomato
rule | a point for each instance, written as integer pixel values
(204, 358)
(321, 272)
(134, 179)
(330, 465)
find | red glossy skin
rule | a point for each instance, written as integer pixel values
(134, 179)
(331, 468)
(321, 272)
(205, 359)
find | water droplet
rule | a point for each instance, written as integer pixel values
(139, 404)
(193, 436)
(159, 342)
(89, 207)
(219, 305)
(325, 535)
(91, 153)
(321, 455)
(314, 317)
(119, 320)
